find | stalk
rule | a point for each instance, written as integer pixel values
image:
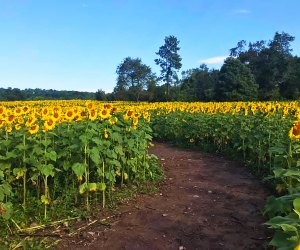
(25, 171)
(86, 176)
(103, 191)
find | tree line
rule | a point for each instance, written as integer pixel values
(261, 70)
(16, 94)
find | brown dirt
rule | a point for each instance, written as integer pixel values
(205, 202)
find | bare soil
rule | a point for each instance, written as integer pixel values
(205, 202)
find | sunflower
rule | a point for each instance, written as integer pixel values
(104, 114)
(128, 115)
(135, 122)
(297, 247)
(113, 120)
(2, 110)
(90, 105)
(34, 128)
(49, 124)
(92, 114)
(25, 110)
(56, 115)
(8, 128)
(45, 113)
(18, 126)
(18, 111)
(10, 119)
(70, 115)
(19, 120)
(2, 123)
(295, 131)
(105, 134)
(31, 120)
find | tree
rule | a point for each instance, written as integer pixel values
(267, 61)
(100, 95)
(169, 61)
(133, 77)
(236, 82)
(199, 84)
(290, 89)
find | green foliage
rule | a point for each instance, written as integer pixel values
(169, 60)
(236, 82)
(56, 174)
(133, 77)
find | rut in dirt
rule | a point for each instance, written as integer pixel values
(205, 202)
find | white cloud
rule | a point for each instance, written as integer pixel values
(242, 11)
(213, 60)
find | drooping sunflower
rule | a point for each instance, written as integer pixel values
(135, 122)
(295, 131)
(2, 122)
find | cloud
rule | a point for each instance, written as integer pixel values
(242, 11)
(213, 60)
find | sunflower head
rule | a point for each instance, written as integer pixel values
(295, 131)
(34, 129)
(92, 114)
(105, 113)
(49, 124)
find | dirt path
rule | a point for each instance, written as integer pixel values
(206, 202)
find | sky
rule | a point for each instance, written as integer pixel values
(78, 44)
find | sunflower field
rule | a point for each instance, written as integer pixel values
(68, 154)
(76, 153)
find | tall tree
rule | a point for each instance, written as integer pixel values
(267, 61)
(169, 61)
(133, 77)
(199, 84)
(290, 89)
(236, 82)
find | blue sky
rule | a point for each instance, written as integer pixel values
(78, 44)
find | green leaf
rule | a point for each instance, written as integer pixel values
(82, 188)
(51, 155)
(47, 170)
(95, 155)
(280, 240)
(92, 187)
(8, 210)
(78, 168)
(296, 204)
(101, 186)
(288, 228)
